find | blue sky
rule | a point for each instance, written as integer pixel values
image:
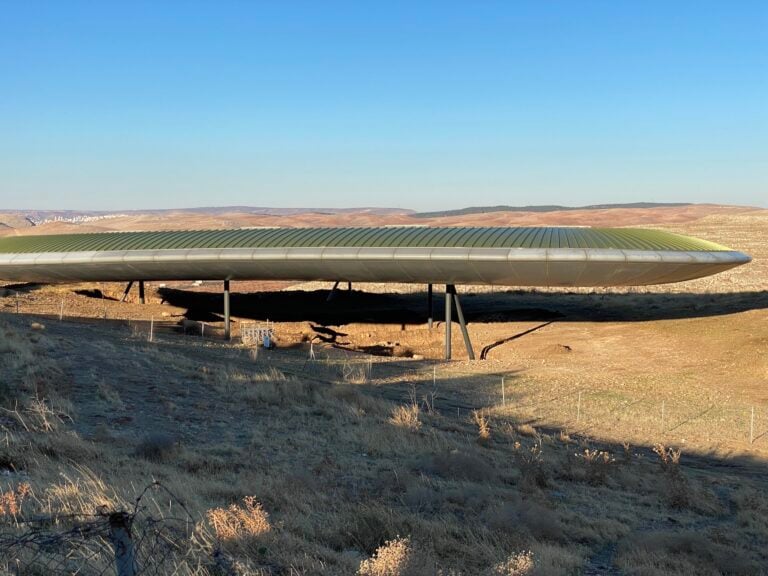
(425, 105)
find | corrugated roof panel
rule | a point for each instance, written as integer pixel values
(383, 237)
(417, 238)
(276, 241)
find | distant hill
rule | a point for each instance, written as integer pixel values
(544, 208)
(34, 217)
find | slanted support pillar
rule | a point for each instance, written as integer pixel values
(332, 293)
(464, 331)
(429, 306)
(227, 331)
(127, 289)
(448, 310)
(450, 297)
(141, 292)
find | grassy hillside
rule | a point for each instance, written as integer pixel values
(293, 467)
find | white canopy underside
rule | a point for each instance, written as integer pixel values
(498, 266)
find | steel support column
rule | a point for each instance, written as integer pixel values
(448, 310)
(226, 311)
(429, 306)
(450, 297)
(464, 331)
(332, 293)
(141, 292)
(127, 289)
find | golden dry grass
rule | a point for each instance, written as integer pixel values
(340, 466)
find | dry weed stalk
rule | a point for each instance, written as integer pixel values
(678, 490)
(597, 463)
(669, 457)
(12, 500)
(531, 464)
(483, 426)
(45, 418)
(237, 522)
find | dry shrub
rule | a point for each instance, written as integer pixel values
(458, 465)
(12, 500)
(239, 522)
(597, 464)
(397, 557)
(676, 488)
(520, 564)
(407, 416)
(158, 447)
(531, 464)
(669, 458)
(662, 553)
(390, 559)
(483, 426)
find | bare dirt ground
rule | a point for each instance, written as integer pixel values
(378, 444)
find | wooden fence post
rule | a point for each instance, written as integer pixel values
(120, 536)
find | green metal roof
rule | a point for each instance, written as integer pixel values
(382, 237)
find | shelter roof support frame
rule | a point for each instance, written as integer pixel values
(227, 327)
(451, 297)
(127, 290)
(429, 306)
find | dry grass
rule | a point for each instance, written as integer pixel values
(239, 522)
(326, 468)
(407, 416)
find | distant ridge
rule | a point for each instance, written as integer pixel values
(545, 208)
(35, 217)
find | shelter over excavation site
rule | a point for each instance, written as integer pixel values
(450, 256)
(504, 256)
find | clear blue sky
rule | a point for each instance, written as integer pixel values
(117, 105)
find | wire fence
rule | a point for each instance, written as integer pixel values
(113, 313)
(136, 542)
(701, 419)
(579, 406)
